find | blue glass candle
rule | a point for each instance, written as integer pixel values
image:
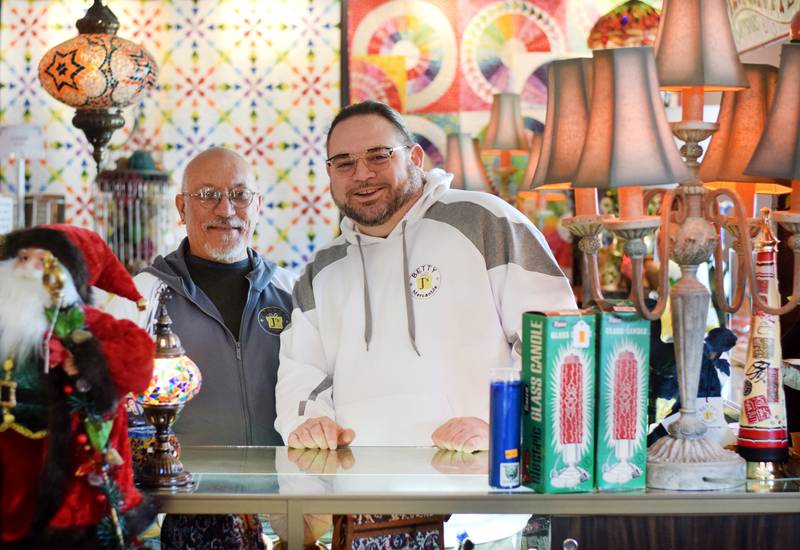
(505, 409)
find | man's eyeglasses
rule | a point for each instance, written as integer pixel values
(376, 159)
(210, 198)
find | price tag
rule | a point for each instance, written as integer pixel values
(22, 140)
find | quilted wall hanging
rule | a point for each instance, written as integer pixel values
(261, 77)
(264, 77)
(457, 54)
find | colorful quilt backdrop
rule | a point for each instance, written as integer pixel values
(261, 77)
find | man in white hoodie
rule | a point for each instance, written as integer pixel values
(396, 323)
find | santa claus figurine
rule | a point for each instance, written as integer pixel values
(66, 479)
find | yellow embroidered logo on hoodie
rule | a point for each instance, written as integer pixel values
(424, 281)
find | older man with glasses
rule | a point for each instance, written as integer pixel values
(229, 308)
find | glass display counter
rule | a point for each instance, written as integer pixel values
(407, 480)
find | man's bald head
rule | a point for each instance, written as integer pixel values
(217, 159)
(218, 230)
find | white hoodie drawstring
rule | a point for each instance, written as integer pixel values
(367, 308)
(406, 292)
(409, 303)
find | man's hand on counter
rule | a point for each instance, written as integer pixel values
(320, 433)
(322, 461)
(464, 433)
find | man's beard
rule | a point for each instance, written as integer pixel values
(232, 249)
(23, 300)
(397, 199)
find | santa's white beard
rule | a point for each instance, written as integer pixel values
(23, 300)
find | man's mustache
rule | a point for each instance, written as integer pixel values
(363, 187)
(232, 223)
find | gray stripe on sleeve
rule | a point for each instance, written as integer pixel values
(303, 294)
(326, 383)
(499, 239)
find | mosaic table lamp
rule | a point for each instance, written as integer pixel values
(176, 380)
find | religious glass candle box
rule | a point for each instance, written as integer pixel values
(623, 347)
(558, 374)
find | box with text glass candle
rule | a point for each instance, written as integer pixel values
(623, 347)
(558, 355)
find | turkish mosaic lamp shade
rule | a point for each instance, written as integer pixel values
(633, 23)
(97, 71)
(175, 381)
(176, 378)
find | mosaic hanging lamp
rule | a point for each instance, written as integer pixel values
(98, 73)
(634, 23)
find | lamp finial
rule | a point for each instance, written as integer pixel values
(167, 342)
(99, 19)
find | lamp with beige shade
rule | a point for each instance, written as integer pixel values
(742, 116)
(505, 136)
(569, 83)
(628, 145)
(695, 53)
(539, 198)
(777, 155)
(463, 160)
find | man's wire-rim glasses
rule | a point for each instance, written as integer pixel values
(210, 198)
(376, 159)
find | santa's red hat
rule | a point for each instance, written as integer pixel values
(83, 253)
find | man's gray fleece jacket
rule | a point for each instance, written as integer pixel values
(236, 404)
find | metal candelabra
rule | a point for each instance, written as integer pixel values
(690, 225)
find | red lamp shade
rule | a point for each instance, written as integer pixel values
(97, 71)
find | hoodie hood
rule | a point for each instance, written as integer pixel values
(436, 183)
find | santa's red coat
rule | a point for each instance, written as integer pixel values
(129, 353)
